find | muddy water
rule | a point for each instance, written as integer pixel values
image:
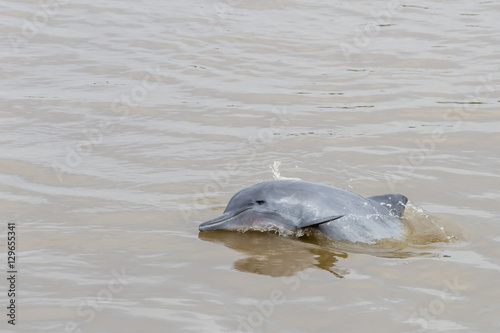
(123, 126)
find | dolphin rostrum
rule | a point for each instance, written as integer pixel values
(295, 204)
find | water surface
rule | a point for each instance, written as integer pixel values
(125, 125)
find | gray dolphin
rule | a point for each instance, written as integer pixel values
(294, 204)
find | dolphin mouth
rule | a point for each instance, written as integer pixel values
(219, 222)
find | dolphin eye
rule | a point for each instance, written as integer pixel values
(260, 202)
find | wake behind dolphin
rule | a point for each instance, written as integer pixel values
(296, 204)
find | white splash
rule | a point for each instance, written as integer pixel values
(276, 173)
(279, 230)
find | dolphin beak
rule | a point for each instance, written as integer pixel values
(220, 222)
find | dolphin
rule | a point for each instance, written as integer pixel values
(293, 204)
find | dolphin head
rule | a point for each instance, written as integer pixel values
(257, 206)
(279, 204)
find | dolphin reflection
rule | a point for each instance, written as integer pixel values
(277, 256)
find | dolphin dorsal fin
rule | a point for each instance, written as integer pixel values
(396, 203)
(317, 222)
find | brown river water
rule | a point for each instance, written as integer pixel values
(124, 125)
